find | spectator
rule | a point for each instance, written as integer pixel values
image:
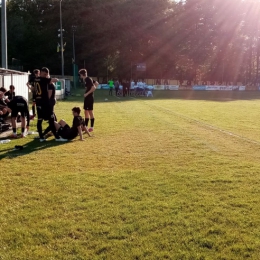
(117, 87)
(125, 85)
(111, 86)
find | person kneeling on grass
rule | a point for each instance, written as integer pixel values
(19, 105)
(3, 106)
(69, 133)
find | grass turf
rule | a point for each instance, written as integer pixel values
(173, 177)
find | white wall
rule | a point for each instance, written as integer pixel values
(19, 81)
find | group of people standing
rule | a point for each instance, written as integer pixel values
(121, 88)
(43, 90)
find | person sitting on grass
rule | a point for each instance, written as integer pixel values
(69, 133)
(3, 105)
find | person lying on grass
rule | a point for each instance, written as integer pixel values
(78, 126)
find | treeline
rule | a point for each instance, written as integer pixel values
(206, 40)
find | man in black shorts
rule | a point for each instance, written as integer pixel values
(30, 85)
(19, 105)
(44, 109)
(90, 87)
(67, 132)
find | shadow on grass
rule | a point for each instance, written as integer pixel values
(218, 96)
(30, 147)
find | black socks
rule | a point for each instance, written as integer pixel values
(92, 121)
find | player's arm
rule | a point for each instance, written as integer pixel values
(51, 90)
(85, 129)
(96, 83)
(80, 133)
(90, 91)
(9, 107)
(49, 93)
(28, 84)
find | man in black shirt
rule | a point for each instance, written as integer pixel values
(30, 84)
(52, 93)
(10, 94)
(90, 87)
(44, 109)
(78, 124)
(19, 105)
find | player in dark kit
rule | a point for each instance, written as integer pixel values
(10, 94)
(3, 105)
(90, 87)
(52, 93)
(30, 84)
(19, 105)
(44, 109)
(67, 132)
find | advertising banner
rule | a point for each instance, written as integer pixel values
(104, 86)
(172, 87)
(213, 88)
(159, 87)
(239, 88)
(226, 88)
(199, 87)
(185, 87)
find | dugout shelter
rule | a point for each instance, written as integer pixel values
(16, 78)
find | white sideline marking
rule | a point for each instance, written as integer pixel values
(209, 125)
(191, 136)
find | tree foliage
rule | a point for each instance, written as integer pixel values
(209, 40)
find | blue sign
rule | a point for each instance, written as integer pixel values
(199, 87)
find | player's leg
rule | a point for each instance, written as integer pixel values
(57, 126)
(86, 118)
(14, 114)
(62, 123)
(34, 104)
(92, 120)
(88, 106)
(63, 130)
(47, 131)
(39, 122)
(34, 109)
(14, 127)
(50, 116)
(23, 123)
(52, 126)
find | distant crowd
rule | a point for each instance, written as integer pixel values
(126, 88)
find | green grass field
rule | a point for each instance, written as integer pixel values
(173, 177)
